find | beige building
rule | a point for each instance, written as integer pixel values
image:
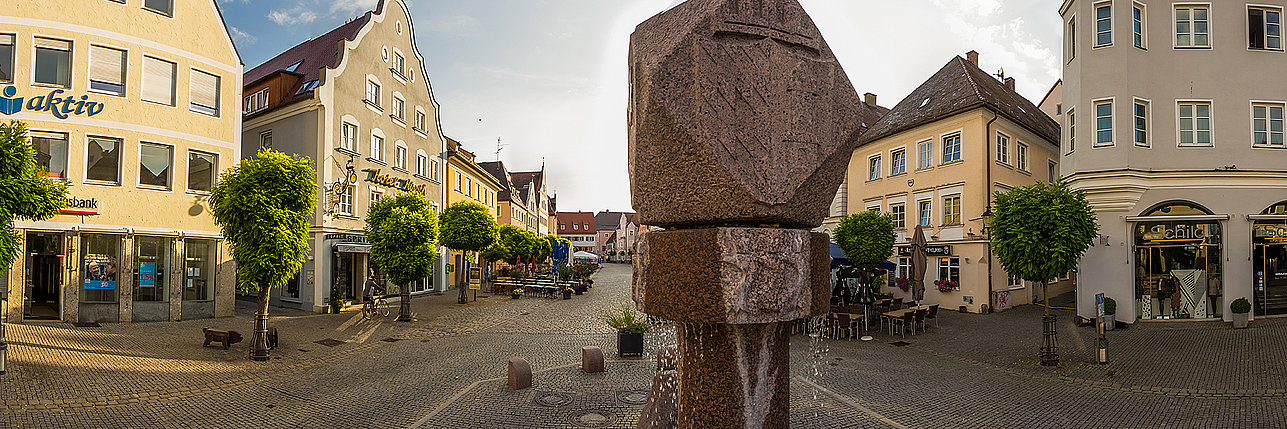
(522, 200)
(357, 101)
(134, 105)
(1173, 125)
(870, 112)
(935, 159)
(466, 182)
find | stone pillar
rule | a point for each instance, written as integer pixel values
(177, 279)
(18, 277)
(125, 280)
(72, 285)
(741, 125)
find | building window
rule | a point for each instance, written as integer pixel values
(1267, 124)
(950, 269)
(1014, 282)
(1265, 27)
(399, 64)
(201, 170)
(1021, 156)
(873, 168)
(469, 187)
(154, 165)
(1137, 26)
(897, 162)
(1195, 123)
(1003, 148)
(373, 93)
(204, 93)
(348, 137)
(152, 259)
(107, 70)
(1071, 32)
(199, 273)
(6, 58)
(103, 160)
(420, 120)
(375, 196)
(158, 81)
(51, 152)
(1052, 171)
(397, 108)
(400, 157)
(1141, 123)
(257, 101)
(924, 215)
(433, 169)
(904, 268)
(421, 160)
(1103, 24)
(898, 214)
(459, 181)
(100, 253)
(1072, 132)
(952, 148)
(1191, 29)
(925, 154)
(1103, 123)
(164, 7)
(346, 199)
(266, 139)
(53, 62)
(952, 210)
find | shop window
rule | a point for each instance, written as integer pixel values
(949, 269)
(199, 266)
(203, 93)
(164, 7)
(6, 58)
(152, 256)
(1178, 264)
(154, 165)
(51, 152)
(103, 160)
(158, 80)
(53, 62)
(291, 291)
(107, 70)
(201, 170)
(100, 254)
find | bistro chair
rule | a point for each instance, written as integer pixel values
(920, 320)
(898, 303)
(933, 314)
(905, 322)
(842, 323)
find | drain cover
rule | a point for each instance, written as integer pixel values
(593, 419)
(329, 342)
(633, 397)
(901, 343)
(552, 399)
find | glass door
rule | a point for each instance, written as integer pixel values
(1271, 278)
(43, 298)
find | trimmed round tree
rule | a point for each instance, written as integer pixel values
(1040, 232)
(513, 241)
(402, 231)
(26, 192)
(867, 238)
(262, 206)
(468, 227)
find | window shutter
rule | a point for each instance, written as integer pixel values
(107, 65)
(205, 89)
(158, 80)
(63, 45)
(6, 39)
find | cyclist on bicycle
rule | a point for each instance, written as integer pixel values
(372, 286)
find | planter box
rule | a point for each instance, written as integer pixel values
(1240, 320)
(629, 344)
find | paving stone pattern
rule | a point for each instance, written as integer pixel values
(447, 369)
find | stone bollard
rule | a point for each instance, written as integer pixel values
(741, 125)
(661, 411)
(520, 374)
(591, 359)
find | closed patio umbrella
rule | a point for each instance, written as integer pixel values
(919, 264)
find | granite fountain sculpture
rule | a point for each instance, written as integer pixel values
(741, 125)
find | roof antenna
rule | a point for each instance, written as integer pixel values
(498, 148)
(1000, 74)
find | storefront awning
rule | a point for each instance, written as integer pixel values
(353, 248)
(1176, 218)
(1267, 217)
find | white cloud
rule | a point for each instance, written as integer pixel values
(241, 36)
(352, 6)
(300, 14)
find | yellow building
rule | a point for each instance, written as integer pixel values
(512, 206)
(935, 159)
(135, 105)
(467, 182)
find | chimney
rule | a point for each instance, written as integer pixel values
(869, 99)
(1009, 83)
(973, 57)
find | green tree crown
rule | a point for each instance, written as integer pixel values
(262, 206)
(25, 190)
(1040, 231)
(402, 231)
(467, 226)
(866, 237)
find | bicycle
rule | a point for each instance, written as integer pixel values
(373, 306)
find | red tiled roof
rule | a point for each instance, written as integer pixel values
(313, 55)
(567, 219)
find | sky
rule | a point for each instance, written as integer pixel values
(548, 77)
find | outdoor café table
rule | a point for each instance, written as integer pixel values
(898, 314)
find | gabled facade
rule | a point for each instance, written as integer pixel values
(579, 228)
(466, 182)
(513, 206)
(134, 105)
(935, 159)
(357, 101)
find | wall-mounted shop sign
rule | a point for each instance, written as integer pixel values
(1181, 232)
(373, 175)
(80, 206)
(346, 238)
(944, 250)
(54, 103)
(1271, 232)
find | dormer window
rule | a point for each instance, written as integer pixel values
(256, 101)
(295, 66)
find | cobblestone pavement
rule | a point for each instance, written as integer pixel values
(447, 369)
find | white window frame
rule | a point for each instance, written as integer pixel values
(1070, 116)
(376, 193)
(1112, 121)
(421, 120)
(1003, 148)
(373, 90)
(214, 171)
(899, 219)
(943, 217)
(1268, 124)
(377, 146)
(923, 148)
(120, 161)
(399, 107)
(1148, 122)
(347, 195)
(13, 53)
(1210, 122)
(942, 138)
(925, 215)
(348, 141)
(1095, 9)
(1175, 35)
(138, 162)
(896, 168)
(1264, 27)
(1052, 170)
(400, 155)
(256, 101)
(174, 81)
(433, 169)
(1070, 29)
(125, 66)
(1021, 156)
(218, 95)
(873, 167)
(1143, 21)
(422, 163)
(945, 262)
(71, 60)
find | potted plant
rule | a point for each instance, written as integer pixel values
(567, 293)
(946, 285)
(337, 301)
(1110, 313)
(903, 283)
(516, 293)
(1241, 312)
(630, 326)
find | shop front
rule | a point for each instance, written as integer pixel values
(1179, 262)
(1269, 260)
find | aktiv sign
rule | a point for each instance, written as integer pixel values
(61, 107)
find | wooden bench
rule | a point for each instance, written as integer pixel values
(227, 337)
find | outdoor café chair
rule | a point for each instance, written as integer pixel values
(920, 320)
(842, 323)
(933, 314)
(907, 322)
(898, 303)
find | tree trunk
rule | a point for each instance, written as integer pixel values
(404, 309)
(1045, 294)
(464, 299)
(259, 340)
